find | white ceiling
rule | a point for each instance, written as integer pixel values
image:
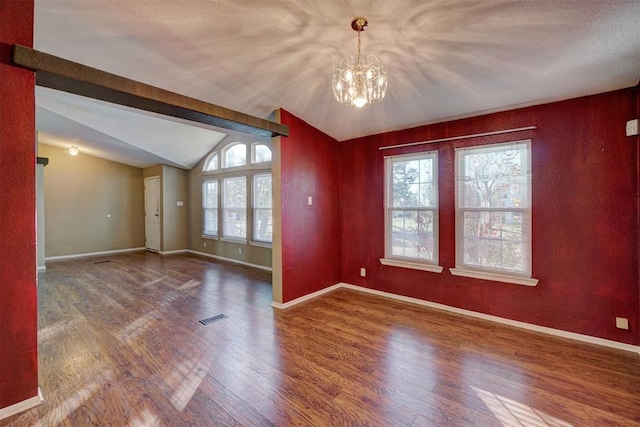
(445, 58)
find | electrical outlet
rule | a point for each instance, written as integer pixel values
(204, 244)
(363, 272)
(622, 323)
(239, 250)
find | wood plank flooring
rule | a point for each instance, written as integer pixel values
(120, 345)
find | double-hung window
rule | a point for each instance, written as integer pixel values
(493, 212)
(262, 208)
(234, 207)
(411, 211)
(210, 207)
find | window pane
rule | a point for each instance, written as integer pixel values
(262, 153)
(235, 223)
(234, 212)
(211, 222)
(235, 155)
(262, 225)
(262, 191)
(412, 234)
(211, 163)
(413, 183)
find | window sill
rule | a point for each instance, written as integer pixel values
(209, 236)
(518, 280)
(414, 265)
(261, 244)
(234, 240)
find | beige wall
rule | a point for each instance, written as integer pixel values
(91, 204)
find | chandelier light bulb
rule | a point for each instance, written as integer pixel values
(360, 80)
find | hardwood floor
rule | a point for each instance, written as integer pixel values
(121, 345)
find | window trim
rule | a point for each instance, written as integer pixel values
(402, 261)
(489, 273)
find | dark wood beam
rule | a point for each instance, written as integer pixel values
(68, 76)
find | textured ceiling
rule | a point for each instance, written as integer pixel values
(445, 59)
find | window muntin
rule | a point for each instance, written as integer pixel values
(493, 208)
(262, 208)
(260, 153)
(411, 214)
(234, 155)
(210, 207)
(234, 207)
(211, 164)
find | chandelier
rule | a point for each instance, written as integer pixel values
(362, 79)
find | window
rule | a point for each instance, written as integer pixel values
(493, 211)
(234, 155)
(210, 207)
(411, 210)
(262, 212)
(211, 164)
(236, 193)
(260, 153)
(234, 207)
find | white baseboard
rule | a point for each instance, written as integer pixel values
(248, 264)
(117, 251)
(523, 325)
(304, 298)
(16, 408)
(41, 268)
(178, 251)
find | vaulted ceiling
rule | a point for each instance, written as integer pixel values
(445, 59)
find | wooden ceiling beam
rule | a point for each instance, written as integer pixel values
(68, 76)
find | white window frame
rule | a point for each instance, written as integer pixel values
(523, 210)
(205, 232)
(418, 263)
(256, 208)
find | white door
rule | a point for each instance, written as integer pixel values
(152, 213)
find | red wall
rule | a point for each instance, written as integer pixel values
(18, 303)
(310, 234)
(585, 217)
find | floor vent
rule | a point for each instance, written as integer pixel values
(213, 319)
(101, 262)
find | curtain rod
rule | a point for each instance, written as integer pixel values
(453, 138)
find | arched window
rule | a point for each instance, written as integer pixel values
(260, 153)
(237, 194)
(211, 163)
(234, 155)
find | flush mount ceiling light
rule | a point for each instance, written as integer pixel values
(362, 79)
(73, 150)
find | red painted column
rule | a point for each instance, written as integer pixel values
(18, 297)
